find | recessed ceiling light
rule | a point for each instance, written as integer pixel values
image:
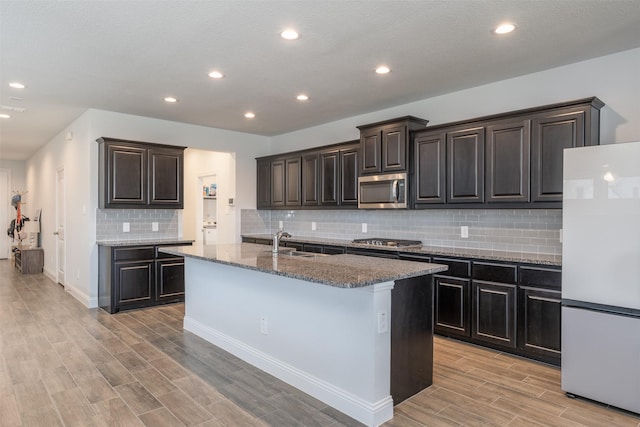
(216, 74)
(171, 100)
(17, 85)
(302, 97)
(4, 116)
(290, 34)
(249, 115)
(383, 69)
(505, 28)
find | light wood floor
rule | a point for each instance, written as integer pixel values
(64, 365)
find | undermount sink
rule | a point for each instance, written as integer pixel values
(304, 254)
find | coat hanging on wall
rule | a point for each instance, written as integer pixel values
(17, 223)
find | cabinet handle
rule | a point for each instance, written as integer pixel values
(55, 233)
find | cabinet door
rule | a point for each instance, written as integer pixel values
(507, 156)
(429, 164)
(452, 306)
(349, 176)
(394, 149)
(133, 282)
(293, 195)
(277, 183)
(170, 279)
(539, 322)
(371, 150)
(264, 184)
(465, 154)
(126, 176)
(165, 178)
(310, 178)
(551, 134)
(329, 178)
(494, 313)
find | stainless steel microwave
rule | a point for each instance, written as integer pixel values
(383, 191)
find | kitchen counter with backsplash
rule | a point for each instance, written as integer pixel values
(486, 254)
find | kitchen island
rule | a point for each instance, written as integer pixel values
(352, 331)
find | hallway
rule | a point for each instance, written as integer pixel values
(64, 365)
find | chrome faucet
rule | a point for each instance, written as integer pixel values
(276, 239)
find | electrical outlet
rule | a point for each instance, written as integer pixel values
(560, 235)
(280, 225)
(313, 226)
(264, 326)
(364, 227)
(383, 324)
(464, 232)
(154, 226)
(126, 227)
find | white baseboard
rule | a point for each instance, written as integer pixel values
(369, 413)
(81, 296)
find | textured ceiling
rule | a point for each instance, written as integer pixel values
(125, 56)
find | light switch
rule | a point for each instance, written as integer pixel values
(154, 226)
(125, 227)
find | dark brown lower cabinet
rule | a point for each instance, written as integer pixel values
(133, 283)
(170, 274)
(138, 276)
(452, 310)
(539, 313)
(494, 313)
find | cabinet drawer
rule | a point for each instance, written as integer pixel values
(133, 254)
(457, 268)
(544, 277)
(495, 272)
(163, 255)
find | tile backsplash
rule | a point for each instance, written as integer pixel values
(515, 230)
(109, 224)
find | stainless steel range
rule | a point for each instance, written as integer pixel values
(390, 243)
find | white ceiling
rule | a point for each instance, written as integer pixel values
(126, 56)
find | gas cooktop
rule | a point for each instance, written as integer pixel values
(391, 243)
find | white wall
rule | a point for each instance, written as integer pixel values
(41, 170)
(613, 78)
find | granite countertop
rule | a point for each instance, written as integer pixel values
(343, 271)
(138, 242)
(486, 254)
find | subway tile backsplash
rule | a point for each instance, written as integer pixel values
(109, 224)
(517, 230)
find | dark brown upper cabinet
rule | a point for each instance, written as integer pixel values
(465, 164)
(330, 178)
(429, 168)
(552, 132)
(310, 172)
(293, 193)
(325, 177)
(264, 183)
(138, 175)
(507, 160)
(384, 145)
(349, 158)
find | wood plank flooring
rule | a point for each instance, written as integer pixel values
(64, 365)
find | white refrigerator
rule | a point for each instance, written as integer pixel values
(601, 274)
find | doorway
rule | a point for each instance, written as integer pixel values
(207, 214)
(5, 209)
(60, 221)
